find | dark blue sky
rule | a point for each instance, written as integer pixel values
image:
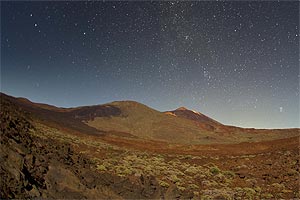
(237, 62)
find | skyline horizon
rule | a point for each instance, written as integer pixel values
(149, 106)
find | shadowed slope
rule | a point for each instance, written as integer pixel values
(144, 122)
(69, 118)
(134, 120)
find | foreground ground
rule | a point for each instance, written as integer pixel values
(38, 160)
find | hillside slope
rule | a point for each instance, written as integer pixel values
(179, 126)
(36, 165)
(146, 123)
(46, 157)
(134, 120)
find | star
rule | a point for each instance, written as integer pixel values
(281, 109)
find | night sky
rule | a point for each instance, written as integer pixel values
(237, 62)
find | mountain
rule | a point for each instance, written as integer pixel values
(146, 123)
(126, 150)
(35, 164)
(134, 120)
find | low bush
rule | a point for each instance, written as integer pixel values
(101, 167)
(214, 170)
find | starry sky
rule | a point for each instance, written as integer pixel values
(237, 62)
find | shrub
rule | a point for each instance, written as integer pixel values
(278, 186)
(286, 191)
(174, 178)
(249, 193)
(214, 170)
(101, 167)
(196, 193)
(122, 171)
(206, 197)
(181, 188)
(193, 186)
(127, 171)
(267, 195)
(292, 172)
(191, 170)
(220, 178)
(209, 183)
(229, 174)
(257, 189)
(163, 183)
(238, 192)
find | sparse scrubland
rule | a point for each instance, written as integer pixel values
(42, 160)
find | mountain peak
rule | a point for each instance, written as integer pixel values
(182, 108)
(183, 112)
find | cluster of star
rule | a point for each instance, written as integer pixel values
(215, 57)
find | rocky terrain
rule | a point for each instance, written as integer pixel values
(34, 164)
(49, 152)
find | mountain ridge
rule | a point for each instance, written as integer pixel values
(128, 150)
(140, 121)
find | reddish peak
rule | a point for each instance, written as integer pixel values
(182, 108)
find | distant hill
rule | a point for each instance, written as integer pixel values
(126, 150)
(135, 120)
(147, 123)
